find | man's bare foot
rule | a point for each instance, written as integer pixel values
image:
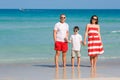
(57, 66)
(78, 66)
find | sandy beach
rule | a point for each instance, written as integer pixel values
(27, 46)
(107, 69)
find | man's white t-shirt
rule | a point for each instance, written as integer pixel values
(76, 41)
(61, 28)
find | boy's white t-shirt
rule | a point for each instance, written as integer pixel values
(76, 41)
(61, 28)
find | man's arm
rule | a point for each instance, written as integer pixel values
(54, 35)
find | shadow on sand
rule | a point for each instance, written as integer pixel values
(53, 66)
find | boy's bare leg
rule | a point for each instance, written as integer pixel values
(57, 58)
(72, 62)
(73, 73)
(78, 62)
(64, 59)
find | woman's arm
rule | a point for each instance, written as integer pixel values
(86, 34)
(99, 32)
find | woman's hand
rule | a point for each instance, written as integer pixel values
(84, 43)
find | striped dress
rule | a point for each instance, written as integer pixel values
(94, 44)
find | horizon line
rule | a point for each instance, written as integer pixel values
(62, 9)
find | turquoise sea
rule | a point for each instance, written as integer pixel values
(27, 35)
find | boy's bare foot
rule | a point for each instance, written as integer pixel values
(72, 67)
(64, 66)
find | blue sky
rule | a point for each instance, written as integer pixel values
(61, 4)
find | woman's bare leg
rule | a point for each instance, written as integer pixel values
(91, 61)
(95, 61)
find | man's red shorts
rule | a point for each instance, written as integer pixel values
(61, 46)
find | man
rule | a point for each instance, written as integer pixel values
(60, 34)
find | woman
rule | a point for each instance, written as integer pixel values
(95, 46)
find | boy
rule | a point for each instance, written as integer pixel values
(76, 41)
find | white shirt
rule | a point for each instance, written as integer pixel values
(76, 41)
(61, 28)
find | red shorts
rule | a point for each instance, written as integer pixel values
(61, 46)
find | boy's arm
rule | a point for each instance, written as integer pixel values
(66, 39)
(81, 42)
(69, 41)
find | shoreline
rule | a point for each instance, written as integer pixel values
(52, 60)
(106, 70)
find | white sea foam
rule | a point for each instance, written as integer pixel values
(117, 31)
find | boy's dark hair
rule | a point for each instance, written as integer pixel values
(76, 27)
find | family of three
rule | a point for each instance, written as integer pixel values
(61, 33)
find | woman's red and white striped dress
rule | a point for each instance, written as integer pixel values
(94, 43)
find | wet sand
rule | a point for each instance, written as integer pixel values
(107, 69)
